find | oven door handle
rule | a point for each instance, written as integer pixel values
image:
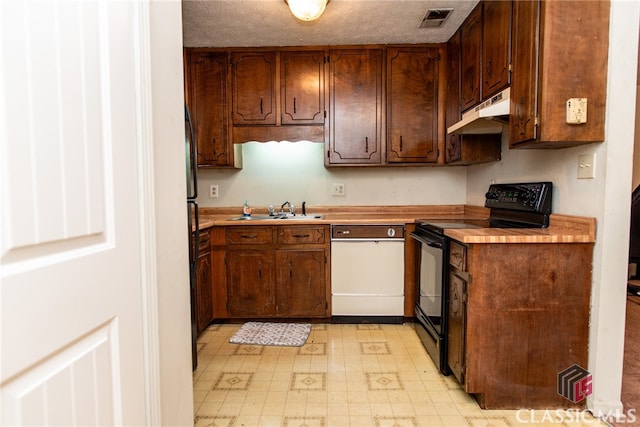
(426, 241)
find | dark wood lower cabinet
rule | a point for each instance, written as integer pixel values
(301, 284)
(204, 290)
(457, 325)
(526, 319)
(272, 272)
(250, 287)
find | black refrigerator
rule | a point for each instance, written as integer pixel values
(194, 226)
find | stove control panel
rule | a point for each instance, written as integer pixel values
(529, 197)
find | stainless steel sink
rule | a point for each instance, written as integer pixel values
(276, 217)
(303, 217)
(250, 218)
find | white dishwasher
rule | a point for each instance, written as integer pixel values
(367, 273)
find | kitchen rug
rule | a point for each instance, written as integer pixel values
(268, 333)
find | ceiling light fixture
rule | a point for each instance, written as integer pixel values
(307, 10)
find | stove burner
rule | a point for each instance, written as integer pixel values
(439, 225)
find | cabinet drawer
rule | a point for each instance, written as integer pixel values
(458, 256)
(204, 241)
(301, 235)
(249, 236)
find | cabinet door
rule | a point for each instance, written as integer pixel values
(250, 287)
(204, 292)
(356, 100)
(254, 88)
(457, 325)
(522, 123)
(463, 149)
(302, 81)
(452, 151)
(301, 283)
(208, 106)
(412, 105)
(471, 48)
(496, 46)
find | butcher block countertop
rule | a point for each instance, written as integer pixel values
(562, 228)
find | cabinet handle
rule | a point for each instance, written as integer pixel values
(366, 144)
(290, 269)
(249, 236)
(489, 62)
(400, 142)
(518, 109)
(260, 105)
(301, 235)
(294, 105)
(455, 303)
(260, 272)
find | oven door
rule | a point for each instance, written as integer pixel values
(432, 277)
(431, 308)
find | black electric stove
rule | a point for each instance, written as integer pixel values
(525, 205)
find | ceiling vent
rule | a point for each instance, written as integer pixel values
(435, 18)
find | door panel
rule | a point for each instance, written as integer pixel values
(71, 293)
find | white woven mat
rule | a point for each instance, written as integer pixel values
(268, 333)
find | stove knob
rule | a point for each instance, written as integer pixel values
(491, 195)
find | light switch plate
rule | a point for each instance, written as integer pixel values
(587, 166)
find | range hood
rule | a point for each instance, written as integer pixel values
(486, 118)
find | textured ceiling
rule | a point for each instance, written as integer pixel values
(237, 23)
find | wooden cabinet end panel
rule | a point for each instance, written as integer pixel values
(527, 320)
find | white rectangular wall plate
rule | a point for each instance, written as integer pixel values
(213, 190)
(576, 111)
(587, 166)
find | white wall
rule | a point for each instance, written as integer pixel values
(636, 151)
(275, 172)
(607, 198)
(174, 313)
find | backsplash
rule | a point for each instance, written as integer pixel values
(275, 172)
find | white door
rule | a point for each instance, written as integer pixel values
(72, 291)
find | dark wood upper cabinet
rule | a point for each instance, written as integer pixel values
(302, 83)
(356, 98)
(463, 149)
(550, 68)
(470, 59)
(522, 125)
(452, 151)
(413, 78)
(485, 46)
(253, 85)
(496, 46)
(207, 98)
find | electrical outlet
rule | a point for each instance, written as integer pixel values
(337, 190)
(586, 166)
(213, 190)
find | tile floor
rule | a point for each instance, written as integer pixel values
(365, 375)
